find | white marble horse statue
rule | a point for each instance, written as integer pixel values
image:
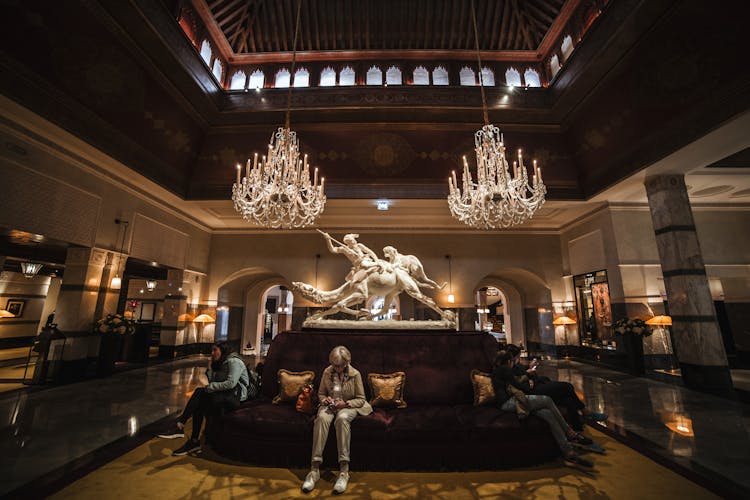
(371, 276)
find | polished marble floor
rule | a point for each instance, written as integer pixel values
(706, 434)
(46, 429)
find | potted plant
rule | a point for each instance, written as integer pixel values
(112, 328)
(633, 330)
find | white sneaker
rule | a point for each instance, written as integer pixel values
(312, 477)
(341, 483)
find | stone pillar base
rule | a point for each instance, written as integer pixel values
(712, 379)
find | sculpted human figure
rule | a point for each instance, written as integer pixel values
(411, 265)
(364, 260)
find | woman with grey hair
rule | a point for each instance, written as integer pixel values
(342, 399)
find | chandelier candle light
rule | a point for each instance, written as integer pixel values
(276, 191)
(496, 199)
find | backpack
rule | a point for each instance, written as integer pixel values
(253, 385)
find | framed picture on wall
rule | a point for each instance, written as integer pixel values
(147, 311)
(15, 307)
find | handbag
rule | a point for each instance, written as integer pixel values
(305, 400)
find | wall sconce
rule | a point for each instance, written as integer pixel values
(482, 310)
(116, 282)
(283, 310)
(151, 285)
(451, 297)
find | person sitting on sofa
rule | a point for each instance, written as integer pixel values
(342, 399)
(562, 393)
(509, 391)
(227, 387)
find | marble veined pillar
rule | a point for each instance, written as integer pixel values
(697, 337)
(175, 320)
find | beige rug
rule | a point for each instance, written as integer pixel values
(150, 471)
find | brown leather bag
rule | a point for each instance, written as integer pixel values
(305, 400)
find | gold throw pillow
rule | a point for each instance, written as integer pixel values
(387, 389)
(290, 385)
(484, 393)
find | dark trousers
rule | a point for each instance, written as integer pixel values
(203, 404)
(564, 396)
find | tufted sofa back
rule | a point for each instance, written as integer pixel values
(437, 364)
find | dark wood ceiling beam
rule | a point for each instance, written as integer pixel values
(279, 23)
(306, 26)
(503, 38)
(317, 25)
(538, 13)
(496, 18)
(429, 25)
(373, 55)
(229, 6)
(266, 28)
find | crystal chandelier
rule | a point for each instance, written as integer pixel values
(276, 192)
(496, 199)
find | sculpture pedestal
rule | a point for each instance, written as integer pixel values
(386, 324)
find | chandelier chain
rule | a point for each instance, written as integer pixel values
(287, 119)
(479, 64)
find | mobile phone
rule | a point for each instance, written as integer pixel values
(534, 367)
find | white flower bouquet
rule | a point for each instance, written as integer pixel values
(115, 323)
(633, 326)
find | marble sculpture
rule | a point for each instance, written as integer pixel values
(371, 276)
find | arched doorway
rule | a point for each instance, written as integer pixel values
(504, 305)
(278, 302)
(244, 295)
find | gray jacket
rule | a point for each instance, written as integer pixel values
(231, 374)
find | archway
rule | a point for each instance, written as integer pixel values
(244, 294)
(512, 304)
(528, 304)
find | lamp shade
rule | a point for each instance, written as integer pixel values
(564, 320)
(204, 318)
(6, 314)
(660, 321)
(185, 317)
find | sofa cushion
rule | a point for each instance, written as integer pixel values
(387, 389)
(487, 423)
(425, 423)
(484, 393)
(267, 419)
(290, 385)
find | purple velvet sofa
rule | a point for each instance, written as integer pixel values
(440, 429)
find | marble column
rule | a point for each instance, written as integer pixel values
(173, 324)
(697, 338)
(75, 312)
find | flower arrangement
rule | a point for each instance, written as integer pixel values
(115, 323)
(634, 326)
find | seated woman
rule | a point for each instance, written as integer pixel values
(227, 387)
(342, 399)
(506, 384)
(562, 393)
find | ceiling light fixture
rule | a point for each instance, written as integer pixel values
(277, 191)
(151, 285)
(31, 269)
(496, 199)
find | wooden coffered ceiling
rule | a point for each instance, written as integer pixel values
(266, 26)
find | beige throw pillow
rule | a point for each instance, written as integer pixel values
(484, 393)
(387, 389)
(290, 385)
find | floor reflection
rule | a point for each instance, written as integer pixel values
(706, 433)
(44, 430)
